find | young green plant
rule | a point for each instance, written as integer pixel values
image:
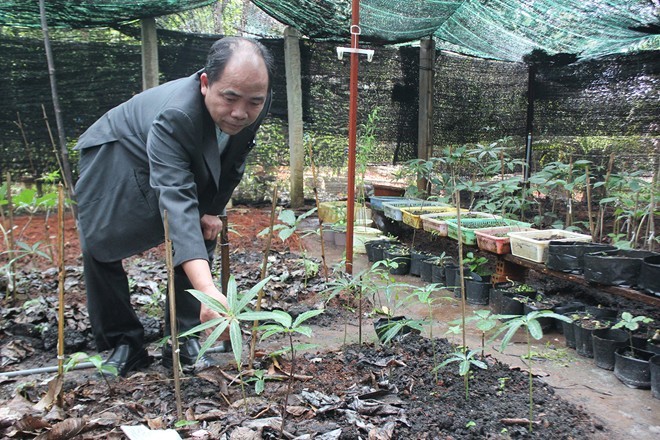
(631, 323)
(533, 330)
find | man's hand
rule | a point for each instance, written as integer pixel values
(211, 226)
(199, 274)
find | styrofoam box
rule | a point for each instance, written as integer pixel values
(533, 245)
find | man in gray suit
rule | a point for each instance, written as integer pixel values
(180, 147)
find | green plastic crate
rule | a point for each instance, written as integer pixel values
(469, 225)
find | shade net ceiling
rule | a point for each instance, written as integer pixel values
(495, 29)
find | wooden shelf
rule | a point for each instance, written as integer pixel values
(633, 294)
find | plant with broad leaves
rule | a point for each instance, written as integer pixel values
(230, 317)
(285, 324)
(631, 323)
(465, 359)
(533, 329)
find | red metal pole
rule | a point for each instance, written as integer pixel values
(352, 135)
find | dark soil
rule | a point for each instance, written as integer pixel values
(367, 391)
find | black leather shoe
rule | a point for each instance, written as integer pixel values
(126, 359)
(189, 353)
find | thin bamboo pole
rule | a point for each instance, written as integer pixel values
(10, 238)
(601, 209)
(654, 185)
(316, 199)
(61, 279)
(264, 270)
(224, 254)
(173, 324)
(592, 229)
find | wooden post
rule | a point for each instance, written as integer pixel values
(294, 109)
(425, 119)
(149, 53)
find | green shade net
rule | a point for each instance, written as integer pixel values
(495, 29)
(89, 13)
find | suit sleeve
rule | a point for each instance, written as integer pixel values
(170, 160)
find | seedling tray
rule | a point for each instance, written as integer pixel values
(393, 209)
(470, 225)
(377, 201)
(533, 245)
(412, 216)
(437, 223)
(497, 240)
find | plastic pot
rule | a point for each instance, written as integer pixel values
(568, 328)
(382, 325)
(564, 309)
(599, 312)
(655, 375)
(584, 331)
(605, 343)
(649, 275)
(477, 289)
(568, 256)
(633, 369)
(399, 255)
(416, 258)
(620, 267)
(374, 254)
(438, 274)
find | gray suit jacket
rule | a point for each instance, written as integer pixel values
(157, 151)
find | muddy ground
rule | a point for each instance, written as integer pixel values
(341, 389)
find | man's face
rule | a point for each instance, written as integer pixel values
(238, 96)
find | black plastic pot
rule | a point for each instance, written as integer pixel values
(510, 304)
(375, 248)
(382, 325)
(477, 289)
(634, 372)
(416, 258)
(452, 275)
(438, 272)
(564, 309)
(547, 324)
(568, 328)
(399, 255)
(584, 344)
(568, 256)
(599, 312)
(426, 270)
(649, 275)
(655, 375)
(605, 343)
(620, 267)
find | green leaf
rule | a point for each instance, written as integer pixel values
(236, 338)
(535, 330)
(287, 216)
(305, 316)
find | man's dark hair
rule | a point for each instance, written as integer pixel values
(223, 49)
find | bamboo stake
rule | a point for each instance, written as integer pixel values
(651, 224)
(224, 254)
(316, 198)
(592, 229)
(601, 213)
(10, 239)
(264, 269)
(569, 202)
(61, 279)
(173, 324)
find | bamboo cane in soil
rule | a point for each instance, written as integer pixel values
(173, 327)
(224, 254)
(569, 199)
(10, 238)
(651, 224)
(316, 198)
(61, 279)
(592, 229)
(601, 208)
(264, 268)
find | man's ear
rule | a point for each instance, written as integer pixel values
(204, 83)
